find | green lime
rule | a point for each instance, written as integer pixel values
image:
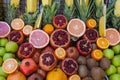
(8, 55)
(3, 42)
(108, 53)
(111, 70)
(2, 51)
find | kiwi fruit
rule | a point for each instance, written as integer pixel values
(97, 73)
(35, 76)
(87, 78)
(83, 71)
(104, 63)
(91, 63)
(81, 60)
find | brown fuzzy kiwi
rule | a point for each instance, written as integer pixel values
(83, 71)
(104, 63)
(97, 73)
(87, 78)
(81, 60)
(91, 63)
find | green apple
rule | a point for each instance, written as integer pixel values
(2, 73)
(111, 70)
(8, 55)
(1, 61)
(116, 49)
(2, 78)
(2, 51)
(108, 53)
(116, 60)
(118, 70)
(11, 46)
(3, 42)
(115, 77)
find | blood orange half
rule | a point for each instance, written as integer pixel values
(76, 28)
(4, 29)
(38, 38)
(113, 36)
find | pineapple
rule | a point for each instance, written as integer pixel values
(49, 12)
(46, 2)
(69, 9)
(117, 8)
(31, 6)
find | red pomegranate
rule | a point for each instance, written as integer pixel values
(69, 66)
(60, 38)
(47, 61)
(26, 50)
(36, 56)
(47, 48)
(84, 47)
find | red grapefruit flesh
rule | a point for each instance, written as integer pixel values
(38, 38)
(76, 28)
(113, 36)
(4, 29)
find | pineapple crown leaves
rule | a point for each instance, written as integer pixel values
(83, 11)
(29, 18)
(69, 12)
(11, 11)
(49, 12)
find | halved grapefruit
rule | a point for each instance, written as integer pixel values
(76, 28)
(38, 38)
(4, 29)
(113, 36)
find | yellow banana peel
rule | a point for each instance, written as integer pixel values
(14, 3)
(69, 3)
(46, 2)
(102, 26)
(31, 6)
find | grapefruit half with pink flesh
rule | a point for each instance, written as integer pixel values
(38, 38)
(113, 36)
(76, 28)
(4, 29)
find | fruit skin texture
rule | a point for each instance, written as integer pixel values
(2, 73)
(108, 53)
(3, 41)
(11, 47)
(56, 74)
(16, 76)
(2, 51)
(111, 70)
(1, 61)
(115, 77)
(28, 66)
(116, 61)
(47, 61)
(2, 78)
(8, 55)
(116, 49)
(35, 76)
(104, 63)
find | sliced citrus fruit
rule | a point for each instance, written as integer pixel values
(102, 28)
(48, 28)
(38, 38)
(17, 24)
(27, 30)
(113, 36)
(102, 43)
(10, 65)
(4, 29)
(97, 54)
(60, 53)
(74, 77)
(76, 28)
(91, 23)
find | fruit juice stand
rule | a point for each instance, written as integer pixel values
(59, 40)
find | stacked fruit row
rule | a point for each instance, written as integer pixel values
(65, 49)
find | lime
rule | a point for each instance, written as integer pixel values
(11, 46)
(3, 42)
(1, 61)
(115, 77)
(116, 49)
(8, 55)
(2, 73)
(116, 60)
(111, 70)
(2, 51)
(2, 78)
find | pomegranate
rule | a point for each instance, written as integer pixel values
(69, 66)
(47, 48)
(60, 38)
(26, 50)
(16, 36)
(35, 76)
(36, 56)
(84, 47)
(47, 61)
(72, 52)
(42, 72)
(28, 66)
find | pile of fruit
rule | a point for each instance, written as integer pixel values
(57, 45)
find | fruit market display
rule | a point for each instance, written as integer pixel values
(61, 40)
